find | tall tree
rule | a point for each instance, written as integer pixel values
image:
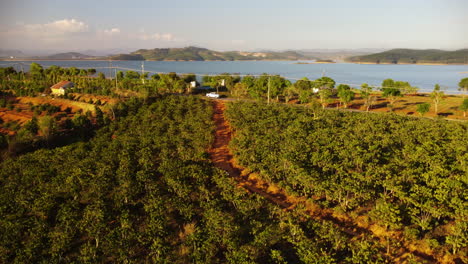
(36, 71)
(463, 85)
(464, 107)
(47, 126)
(324, 95)
(392, 95)
(437, 96)
(366, 93)
(345, 94)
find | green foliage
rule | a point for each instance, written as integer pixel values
(463, 85)
(47, 126)
(324, 83)
(32, 126)
(350, 161)
(143, 190)
(464, 107)
(423, 108)
(366, 95)
(345, 94)
(392, 94)
(437, 95)
(132, 75)
(324, 96)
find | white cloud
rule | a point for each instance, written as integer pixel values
(56, 28)
(112, 31)
(72, 33)
(55, 33)
(157, 36)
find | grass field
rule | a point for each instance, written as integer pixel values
(407, 105)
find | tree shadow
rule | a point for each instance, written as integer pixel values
(414, 103)
(380, 105)
(445, 114)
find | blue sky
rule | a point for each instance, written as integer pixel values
(233, 25)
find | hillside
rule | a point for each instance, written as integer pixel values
(68, 56)
(338, 55)
(202, 54)
(404, 56)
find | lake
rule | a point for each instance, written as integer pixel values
(422, 76)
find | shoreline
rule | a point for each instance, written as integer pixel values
(26, 59)
(294, 61)
(421, 63)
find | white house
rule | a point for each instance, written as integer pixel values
(61, 87)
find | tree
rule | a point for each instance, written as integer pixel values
(36, 71)
(423, 108)
(132, 75)
(101, 76)
(392, 95)
(325, 83)
(120, 75)
(289, 92)
(277, 86)
(32, 126)
(73, 71)
(155, 77)
(345, 94)
(437, 96)
(405, 87)
(343, 87)
(324, 95)
(463, 85)
(239, 90)
(47, 126)
(99, 116)
(464, 107)
(388, 83)
(83, 72)
(91, 71)
(369, 100)
(303, 88)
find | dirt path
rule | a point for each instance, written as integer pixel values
(222, 158)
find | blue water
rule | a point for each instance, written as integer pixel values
(422, 76)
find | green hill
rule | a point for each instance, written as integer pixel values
(202, 54)
(397, 56)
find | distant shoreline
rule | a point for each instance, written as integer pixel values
(421, 63)
(295, 61)
(26, 59)
(316, 62)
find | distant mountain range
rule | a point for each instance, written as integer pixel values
(202, 54)
(11, 53)
(68, 56)
(338, 55)
(412, 56)
(394, 56)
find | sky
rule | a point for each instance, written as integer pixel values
(233, 25)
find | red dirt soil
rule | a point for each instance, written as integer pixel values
(223, 159)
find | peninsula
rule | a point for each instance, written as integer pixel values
(412, 56)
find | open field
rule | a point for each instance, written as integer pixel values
(407, 105)
(22, 111)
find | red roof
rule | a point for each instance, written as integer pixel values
(60, 84)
